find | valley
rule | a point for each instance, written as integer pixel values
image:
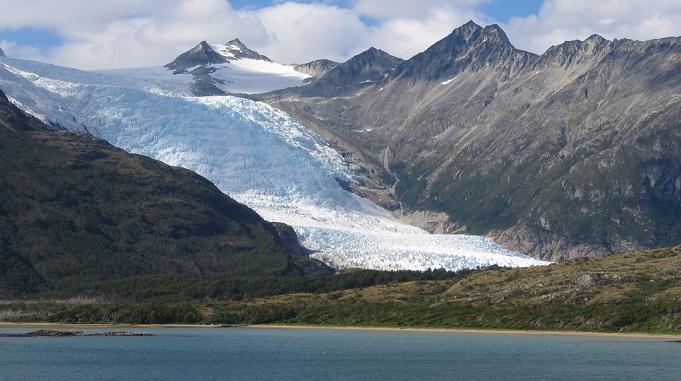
(562, 155)
(256, 154)
(340, 190)
(348, 154)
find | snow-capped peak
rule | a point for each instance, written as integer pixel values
(2, 54)
(200, 55)
(237, 50)
(220, 69)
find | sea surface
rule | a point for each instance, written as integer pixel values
(327, 354)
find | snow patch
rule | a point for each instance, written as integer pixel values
(448, 81)
(27, 110)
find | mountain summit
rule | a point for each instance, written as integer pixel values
(204, 54)
(237, 50)
(468, 47)
(2, 54)
(229, 68)
(365, 69)
(200, 55)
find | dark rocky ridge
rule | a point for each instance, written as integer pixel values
(571, 153)
(367, 68)
(2, 54)
(76, 210)
(348, 78)
(200, 55)
(316, 68)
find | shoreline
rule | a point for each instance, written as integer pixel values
(491, 331)
(512, 332)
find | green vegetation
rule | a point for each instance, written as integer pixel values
(75, 210)
(226, 287)
(631, 292)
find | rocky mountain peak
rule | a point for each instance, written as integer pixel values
(237, 50)
(373, 53)
(495, 33)
(574, 52)
(468, 47)
(237, 43)
(204, 54)
(2, 54)
(200, 55)
(366, 68)
(596, 39)
(316, 68)
(371, 60)
(471, 35)
(467, 29)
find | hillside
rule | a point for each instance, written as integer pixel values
(634, 292)
(74, 209)
(639, 291)
(566, 154)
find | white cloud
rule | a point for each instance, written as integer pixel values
(124, 33)
(405, 36)
(303, 32)
(422, 9)
(561, 20)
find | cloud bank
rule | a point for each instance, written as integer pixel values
(132, 33)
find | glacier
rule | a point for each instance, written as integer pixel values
(253, 152)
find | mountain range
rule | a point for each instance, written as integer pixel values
(566, 154)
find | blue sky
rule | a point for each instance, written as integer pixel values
(106, 34)
(42, 38)
(503, 10)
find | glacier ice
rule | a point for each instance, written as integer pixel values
(258, 155)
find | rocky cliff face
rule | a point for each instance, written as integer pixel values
(571, 153)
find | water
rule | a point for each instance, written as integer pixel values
(293, 354)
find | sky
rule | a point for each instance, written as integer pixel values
(107, 34)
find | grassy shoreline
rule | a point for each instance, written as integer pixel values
(513, 332)
(630, 293)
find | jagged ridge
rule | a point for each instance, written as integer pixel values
(561, 155)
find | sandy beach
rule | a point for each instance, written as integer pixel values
(626, 335)
(632, 335)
